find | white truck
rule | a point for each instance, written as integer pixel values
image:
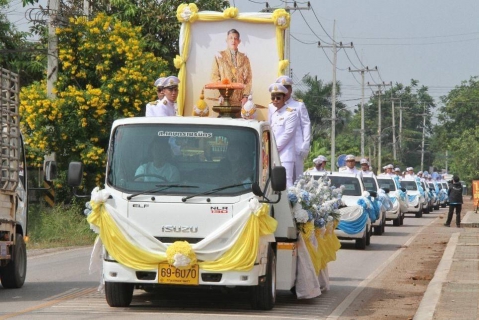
(203, 175)
(13, 186)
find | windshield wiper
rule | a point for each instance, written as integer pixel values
(215, 190)
(161, 187)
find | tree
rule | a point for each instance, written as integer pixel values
(317, 99)
(464, 162)
(17, 54)
(105, 74)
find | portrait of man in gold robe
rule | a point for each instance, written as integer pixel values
(233, 65)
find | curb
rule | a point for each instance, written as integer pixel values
(433, 292)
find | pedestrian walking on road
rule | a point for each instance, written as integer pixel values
(455, 201)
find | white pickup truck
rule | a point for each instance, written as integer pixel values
(176, 179)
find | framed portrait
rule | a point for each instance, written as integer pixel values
(228, 46)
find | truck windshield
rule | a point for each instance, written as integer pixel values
(409, 184)
(387, 183)
(197, 158)
(370, 184)
(351, 185)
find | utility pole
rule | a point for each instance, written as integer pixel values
(379, 120)
(362, 103)
(394, 127)
(335, 46)
(287, 38)
(400, 124)
(52, 55)
(423, 136)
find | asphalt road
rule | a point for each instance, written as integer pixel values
(58, 286)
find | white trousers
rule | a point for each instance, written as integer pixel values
(289, 166)
(298, 168)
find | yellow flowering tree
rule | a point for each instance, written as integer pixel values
(104, 74)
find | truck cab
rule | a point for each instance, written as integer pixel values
(183, 179)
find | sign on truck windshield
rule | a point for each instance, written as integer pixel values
(196, 158)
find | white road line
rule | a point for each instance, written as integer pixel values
(355, 293)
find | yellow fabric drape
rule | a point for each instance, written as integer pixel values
(243, 253)
(228, 13)
(241, 256)
(117, 244)
(326, 248)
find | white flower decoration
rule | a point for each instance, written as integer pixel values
(181, 260)
(281, 21)
(186, 14)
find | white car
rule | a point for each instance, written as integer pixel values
(398, 196)
(443, 196)
(379, 226)
(415, 199)
(435, 192)
(427, 200)
(354, 223)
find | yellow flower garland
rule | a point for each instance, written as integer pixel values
(181, 248)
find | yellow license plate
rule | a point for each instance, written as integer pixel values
(168, 274)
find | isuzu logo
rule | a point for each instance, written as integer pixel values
(182, 229)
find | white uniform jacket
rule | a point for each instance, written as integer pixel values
(367, 173)
(347, 170)
(161, 108)
(284, 123)
(303, 134)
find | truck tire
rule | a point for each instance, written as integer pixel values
(419, 214)
(402, 218)
(397, 221)
(13, 274)
(361, 243)
(118, 294)
(263, 296)
(377, 230)
(369, 235)
(383, 225)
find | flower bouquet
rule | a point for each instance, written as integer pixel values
(314, 202)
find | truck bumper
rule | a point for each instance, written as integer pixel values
(116, 272)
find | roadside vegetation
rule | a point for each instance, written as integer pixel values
(61, 226)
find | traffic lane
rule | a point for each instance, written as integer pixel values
(50, 277)
(354, 267)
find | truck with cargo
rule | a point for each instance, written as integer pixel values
(13, 186)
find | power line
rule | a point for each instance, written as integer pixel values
(312, 28)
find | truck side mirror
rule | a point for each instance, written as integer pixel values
(278, 178)
(386, 190)
(50, 170)
(403, 189)
(75, 174)
(373, 193)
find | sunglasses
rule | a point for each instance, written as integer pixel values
(350, 161)
(276, 97)
(159, 90)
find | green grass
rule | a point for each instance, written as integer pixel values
(61, 226)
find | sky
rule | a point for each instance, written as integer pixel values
(434, 42)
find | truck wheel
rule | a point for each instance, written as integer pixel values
(368, 236)
(118, 294)
(13, 274)
(397, 221)
(377, 230)
(361, 243)
(402, 218)
(383, 226)
(263, 296)
(419, 214)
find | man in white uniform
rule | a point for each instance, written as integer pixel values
(303, 132)
(319, 164)
(410, 173)
(365, 172)
(350, 165)
(159, 91)
(397, 171)
(284, 121)
(159, 168)
(165, 107)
